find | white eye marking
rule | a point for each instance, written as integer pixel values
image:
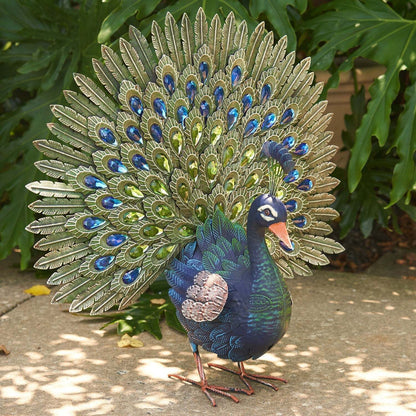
(267, 212)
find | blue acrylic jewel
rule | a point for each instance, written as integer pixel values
(107, 136)
(292, 176)
(130, 276)
(305, 185)
(115, 240)
(140, 162)
(235, 75)
(103, 263)
(91, 223)
(288, 142)
(251, 127)
(247, 101)
(269, 121)
(156, 132)
(109, 202)
(301, 150)
(203, 70)
(204, 109)
(94, 183)
(191, 91)
(291, 205)
(136, 105)
(285, 248)
(300, 221)
(266, 92)
(219, 95)
(160, 107)
(133, 133)
(288, 116)
(116, 166)
(182, 113)
(169, 83)
(232, 117)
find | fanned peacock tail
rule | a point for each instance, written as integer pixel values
(175, 131)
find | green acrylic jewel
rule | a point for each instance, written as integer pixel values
(163, 211)
(227, 155)
(201, 212)
(133, 191)
(152, 231)
(248, 156)
(158, 187)
(229, 185)
(163, 252)
(215, 134)
(163, 162)
(212, 169)
(176, 141)
(236, 210)
(252, 180)
(137, 251)
(193, 169)
(196, 133)
(186, 231)
(220, 206)
(131, 217)
(183, 191)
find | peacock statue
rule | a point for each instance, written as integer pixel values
(203, 158)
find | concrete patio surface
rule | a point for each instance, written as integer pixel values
(350, 350)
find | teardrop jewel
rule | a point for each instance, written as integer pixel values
(103, 263)
(140, 162)
(305, 185)
(182, 114)
(232, 117)
(269, 121)
(156, 132)
(131, 276)
(91, 223)
(109, 202)
(160, 108)
(288, 142)
(300, 221)
(191, 91)
(203, 71)
(301, 149)
(136, 105)
(251, 127)
(107, 136)
(94, 183)
(133, 133)
(204, 109)
(169, 83)
(235, 76)
(247, 102)
(116, 166)
(266, 92)
(114, 240)
(291, 205)
(219, 95)
(292, 176)
(288, 116)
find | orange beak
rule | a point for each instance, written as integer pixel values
(279, 229)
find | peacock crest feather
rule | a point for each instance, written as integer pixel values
(167, 133)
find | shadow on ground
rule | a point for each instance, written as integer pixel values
(350, 350)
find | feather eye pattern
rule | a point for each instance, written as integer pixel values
(168, 133)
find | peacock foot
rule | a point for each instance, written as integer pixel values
(207, 388)
(244, 376)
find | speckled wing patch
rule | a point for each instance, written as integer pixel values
(206, 298)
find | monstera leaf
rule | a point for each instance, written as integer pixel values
(373, 30)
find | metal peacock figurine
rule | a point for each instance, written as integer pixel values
(159, 169)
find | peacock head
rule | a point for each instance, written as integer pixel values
(268, 211)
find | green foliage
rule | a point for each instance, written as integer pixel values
(146, 314)
(372, 29)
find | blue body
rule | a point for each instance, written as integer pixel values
(257, 311)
